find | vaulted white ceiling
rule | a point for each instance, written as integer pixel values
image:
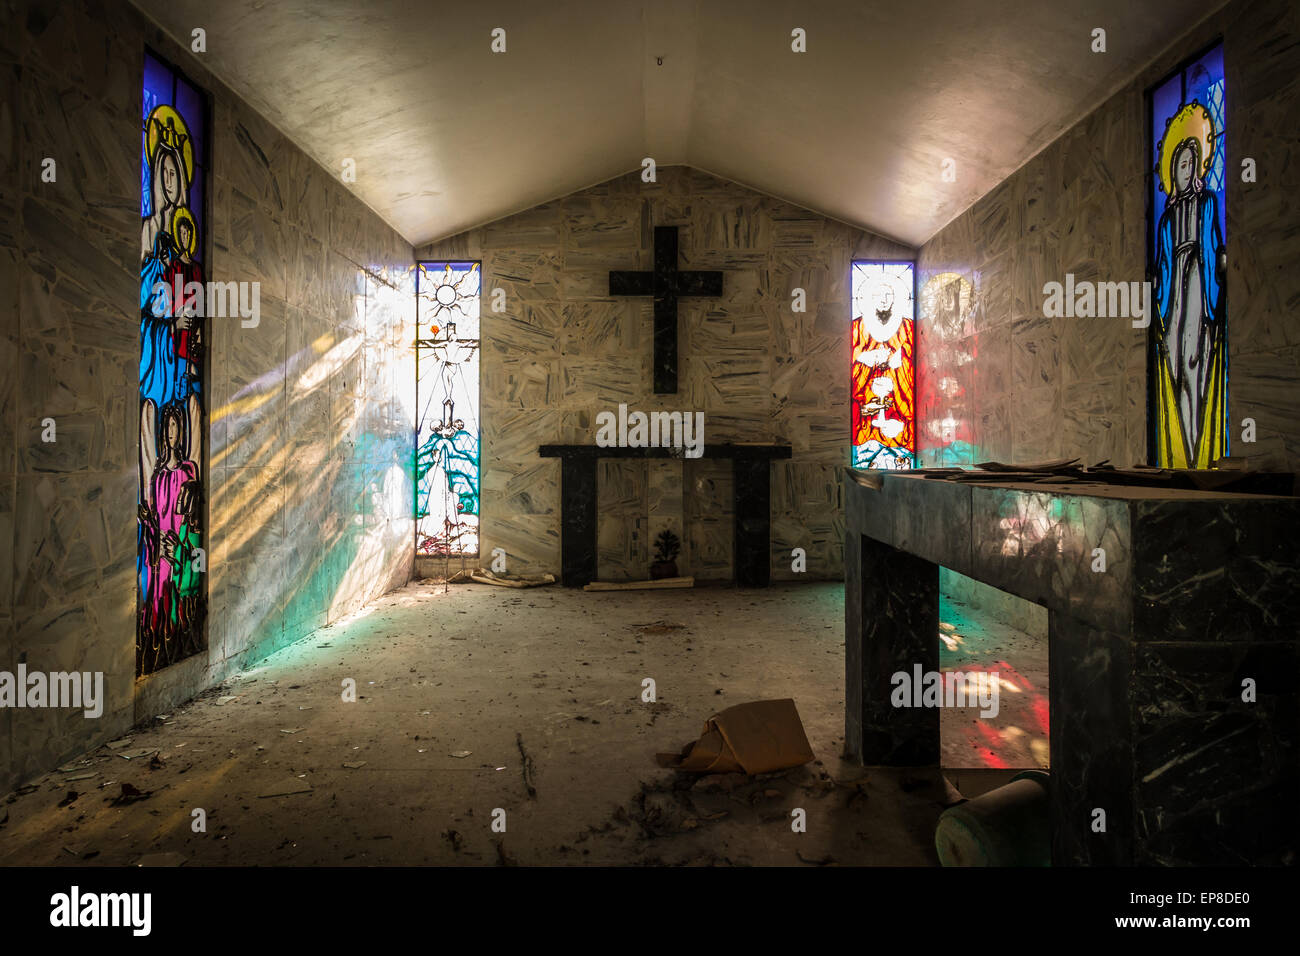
(447, 134)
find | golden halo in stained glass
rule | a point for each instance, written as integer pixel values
(1191, 122)
(168, 126)
(183, 215)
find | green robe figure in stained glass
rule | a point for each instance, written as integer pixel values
(183, 550)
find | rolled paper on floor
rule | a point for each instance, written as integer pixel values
(1009, 826)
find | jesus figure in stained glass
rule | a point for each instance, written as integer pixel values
(447, 445)
(881, 380)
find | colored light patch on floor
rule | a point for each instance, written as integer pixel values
(973, 642)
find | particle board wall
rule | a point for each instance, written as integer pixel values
(999, 380)
(309, 492)
(564, 350)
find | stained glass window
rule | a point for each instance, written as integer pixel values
(170, 559)
(447, 443)
(1188, 383)
(882, 380)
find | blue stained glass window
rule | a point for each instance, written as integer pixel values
(1215, 105)
(171, 561)
(1188, 373)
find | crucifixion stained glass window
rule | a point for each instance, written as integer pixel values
(447, 441)
(170, 556)
(881, 378)
(1188, 377)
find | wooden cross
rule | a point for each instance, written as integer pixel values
(665, 283)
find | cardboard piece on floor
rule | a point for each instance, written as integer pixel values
(757, 737)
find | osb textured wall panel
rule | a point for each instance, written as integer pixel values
(565, 350)
(1000, 381)
(309, 494)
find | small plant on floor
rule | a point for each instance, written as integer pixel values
(667, 547)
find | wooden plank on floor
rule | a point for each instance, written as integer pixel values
(687, 582)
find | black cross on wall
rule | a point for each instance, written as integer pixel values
(665, 283)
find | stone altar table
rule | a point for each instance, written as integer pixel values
(1147, 659)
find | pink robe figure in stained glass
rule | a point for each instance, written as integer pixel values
(169, 476)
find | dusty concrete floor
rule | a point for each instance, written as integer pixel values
(550, 675)
(1017, 736)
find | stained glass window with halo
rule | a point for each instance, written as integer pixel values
(1187, 260)
(882, 379)
(171, 513)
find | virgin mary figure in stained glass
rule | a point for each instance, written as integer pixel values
(170, 560)
(1189, 373)
(165, 373)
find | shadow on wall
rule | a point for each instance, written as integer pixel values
(313, 469)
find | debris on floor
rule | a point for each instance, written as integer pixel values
(824, 861)
(757, 737)
(286, 788)
(501, 579)
(544, 660)
(526, 766)
(130, 794)
(657, 627)
(136, 754)
(651, 585)
(504, 858)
